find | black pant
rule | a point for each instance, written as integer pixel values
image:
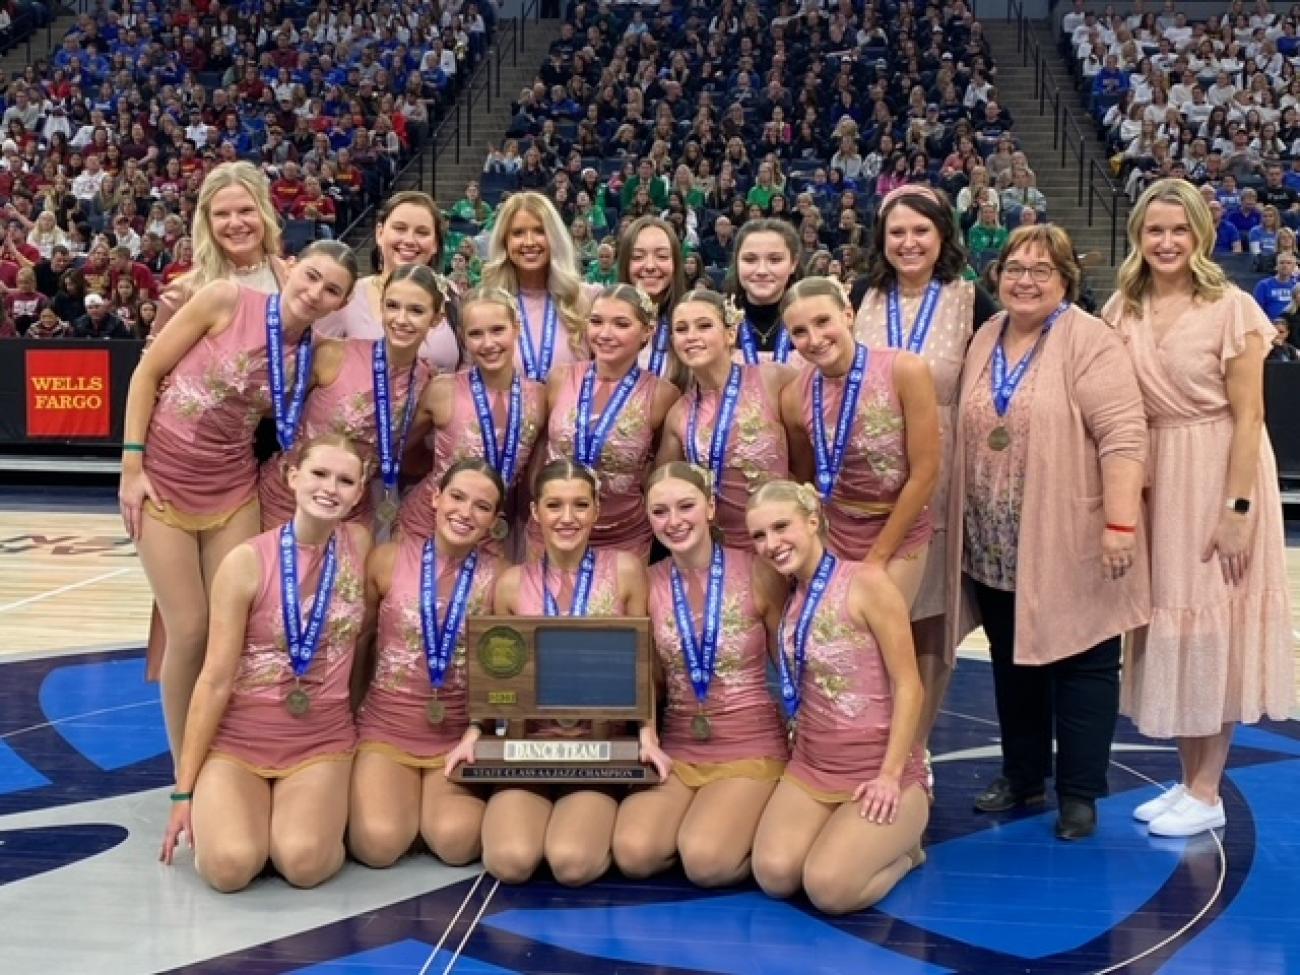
(1077, 697)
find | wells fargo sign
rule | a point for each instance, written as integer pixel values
(68, 393)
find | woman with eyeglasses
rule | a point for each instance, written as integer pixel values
(1049, 454)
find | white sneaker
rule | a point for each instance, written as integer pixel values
(1189, 817)
(1162, 803)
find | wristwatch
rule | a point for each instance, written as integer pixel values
(1240, 505)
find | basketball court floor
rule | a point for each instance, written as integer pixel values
(84, 776)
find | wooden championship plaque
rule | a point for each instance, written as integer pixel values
(523, 669)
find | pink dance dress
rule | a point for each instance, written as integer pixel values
(462, 437)
(257, 731)
(440, 351)
(747, 729)
(393, 718)
(757, 451)
(623, 465)
(345, 406)
(199, 447)
(875, 462)
(846, 709)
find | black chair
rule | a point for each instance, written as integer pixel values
(298, 234)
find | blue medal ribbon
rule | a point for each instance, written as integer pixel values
(581, 588)
(924, 318)
(700, 652)
(303, 642)
(287, 414)
(503, 458)
(537, 365)
(659, 347)
(440, 641)
(830, 457)
(791, 671)
(390, 452)
(721, 427)
(589, 444)
(1006, 384)
(749, 344)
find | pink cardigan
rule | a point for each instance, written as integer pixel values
(1087, 406)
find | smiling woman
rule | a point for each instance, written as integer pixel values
(189, 482)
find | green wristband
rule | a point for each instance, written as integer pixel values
(181, 796)
(133, 448)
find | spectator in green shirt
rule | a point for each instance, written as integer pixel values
(473, 207)
(645, 175)
(602, 270)
(764, 189)
(986, 235)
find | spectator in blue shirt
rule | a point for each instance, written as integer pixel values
(1228, 194)
(1247, 216)
(1111, 81)
(1274, 294)
(1263, 238)
(1227, 239)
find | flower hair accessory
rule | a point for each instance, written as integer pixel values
(646, 302)
(808, 498)
(594, 475)
(706, 476)
(732, 315)
(444, 287)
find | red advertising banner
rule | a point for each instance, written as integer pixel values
(68, 393)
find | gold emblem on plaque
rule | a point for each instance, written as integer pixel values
(502, 652)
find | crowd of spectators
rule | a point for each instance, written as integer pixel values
(105, 145)
(713, 114)
(1215, 101)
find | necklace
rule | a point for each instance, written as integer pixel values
(250, 268)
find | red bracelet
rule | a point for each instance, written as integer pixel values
(1122, 529)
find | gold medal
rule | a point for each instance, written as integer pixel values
(701, 727)
(387, 511)
(999, 438)
(298, 702)
(436, 711)
(791, 732)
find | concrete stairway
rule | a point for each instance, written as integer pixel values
(1058, 179)
(480, 125)
(489, 124)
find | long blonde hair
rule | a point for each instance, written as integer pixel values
(1133, 281)
(563, 281)
(209, 263)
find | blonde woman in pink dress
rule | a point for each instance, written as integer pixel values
(408, 232)
(267, 754)
(1219, 649)
(531, 256)
(712, 608)
(189, 478)
(607, 414)
(918, 301)
(845, 822)
(863, 426)
(413, 723)
(729, 420)
(572, 828)
(358, 384)
(491, 410)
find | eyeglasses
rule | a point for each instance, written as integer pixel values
(1039, 273)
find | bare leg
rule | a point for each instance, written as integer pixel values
(232, 825)
(451, 819)
(855, 862)
(384, 809)
(1189, 757)
(1213, 757)
(787, 830)
(171, 562)
(309, 814)
(929, 636)
(645, 832)
(580, 835)
(514, 833)
(906, 572)
(717, 837)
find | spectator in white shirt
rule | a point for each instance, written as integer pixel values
(86, 184)
(1179, 34)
